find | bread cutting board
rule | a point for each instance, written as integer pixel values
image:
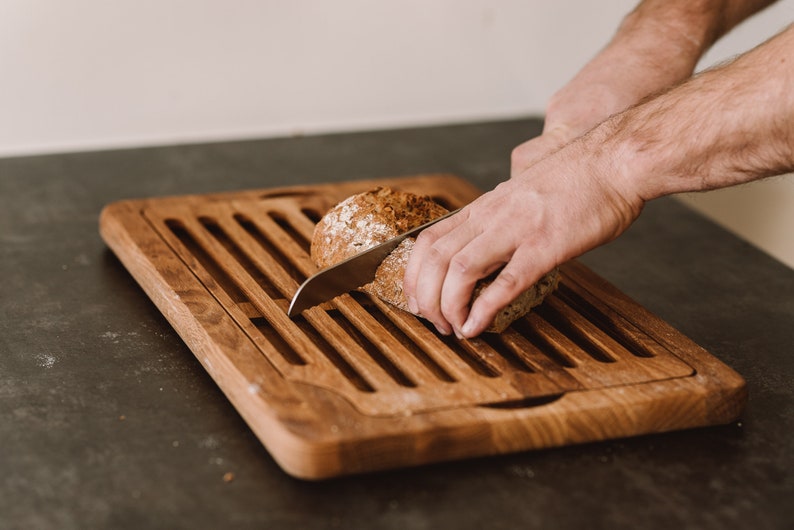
(356, 385)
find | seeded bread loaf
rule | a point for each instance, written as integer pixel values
(367, 219)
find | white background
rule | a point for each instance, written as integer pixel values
(91, 74)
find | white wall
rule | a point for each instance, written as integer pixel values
(760, 212)
(92, 74)
(85, 74)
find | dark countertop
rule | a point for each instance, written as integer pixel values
(110, 422)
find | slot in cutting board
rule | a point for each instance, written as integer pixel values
(356, 385)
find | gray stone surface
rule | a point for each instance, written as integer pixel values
(108, 421)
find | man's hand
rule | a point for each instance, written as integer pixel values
(560, 208)
(729, 125)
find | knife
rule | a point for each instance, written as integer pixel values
(349, 274)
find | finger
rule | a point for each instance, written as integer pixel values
(521, 272)
(480, 258)
(420, 248)
(434, 269)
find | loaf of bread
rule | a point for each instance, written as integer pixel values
(370, 218)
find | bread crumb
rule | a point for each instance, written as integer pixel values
(228, 476)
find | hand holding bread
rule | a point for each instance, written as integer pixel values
(526, 227)
(367, 219)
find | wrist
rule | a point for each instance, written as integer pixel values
(619, 162)
(729, 125)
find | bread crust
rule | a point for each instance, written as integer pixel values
(370, 218)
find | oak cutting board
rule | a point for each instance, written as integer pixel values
(356, 385)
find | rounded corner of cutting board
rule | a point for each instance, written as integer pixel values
(306, 458)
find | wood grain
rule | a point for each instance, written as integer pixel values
(356, 385)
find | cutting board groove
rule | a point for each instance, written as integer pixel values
(378, 387)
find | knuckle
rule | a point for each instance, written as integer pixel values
(508, 281)
(517, 154)
(428, 236)
(460, 264)
(427, 310)
(436, 254)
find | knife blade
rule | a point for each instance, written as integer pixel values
(349, 274)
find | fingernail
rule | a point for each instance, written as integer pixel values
(413, 307)
(467, 330)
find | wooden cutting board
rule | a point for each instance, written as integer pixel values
(356, 385)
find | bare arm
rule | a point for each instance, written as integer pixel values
(656, 46)
(729, 125)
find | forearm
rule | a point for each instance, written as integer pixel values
(728, 125)
(656, 46)
(691, 25)
(573, 190)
